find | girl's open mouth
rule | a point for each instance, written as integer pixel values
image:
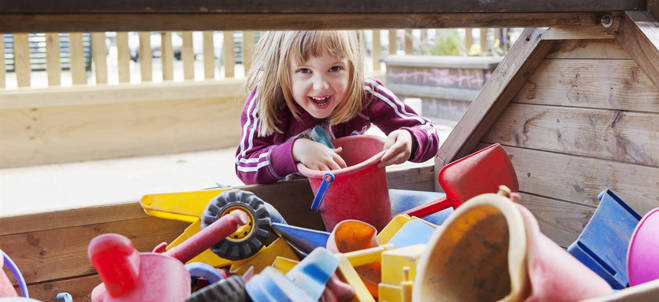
(320, 101)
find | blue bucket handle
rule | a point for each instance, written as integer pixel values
(319, 135)
(17, 274)
(328, 178)
(65, 296)
(199, 269)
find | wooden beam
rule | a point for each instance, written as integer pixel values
(409, 42)
(53, 67)
(123, 57)
(99, 54)
(148, 7)
(167, 56)
(228, 55)
(22, 60)
(596, 30)
(653, 8)
(639, 36)
(209, 55)
(187, 55)
(30, 23)
(116, 94)
(2, 62)
(248, 50)
(393, 41)
(376, 50)
(78, 76)
(507, 79)
(145, 59)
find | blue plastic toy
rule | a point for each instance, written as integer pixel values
(602, 245)
(312, 273)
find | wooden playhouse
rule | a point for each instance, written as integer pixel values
(575, 103)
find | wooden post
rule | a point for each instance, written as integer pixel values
(248, 50)
(393, 39)
(469, 38)
(99, 54)
(53, 67)
(187, 55)
(653, 8)
(209, 56)
(409, 45)
(22, 59)
(423, 39)
(77, 59)
(484, 49)
(146, 67)
(376, 50)
(228, 56)
(2, 61)
(167, 56)
(123, 57)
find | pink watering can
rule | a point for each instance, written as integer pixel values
(491, 249)
(132, 276)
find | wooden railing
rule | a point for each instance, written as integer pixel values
(78, 67)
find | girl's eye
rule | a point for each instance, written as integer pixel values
(335, 68)
(303, 70)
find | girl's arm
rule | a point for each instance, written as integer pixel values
(261, 160)
(390, 115)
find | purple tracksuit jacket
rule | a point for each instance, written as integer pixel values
(261, 160)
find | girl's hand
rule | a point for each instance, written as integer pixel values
(317, 156)
(399, 145)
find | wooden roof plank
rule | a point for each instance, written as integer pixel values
(639, 36)
(509, 77)
(314, 6)
(30, 23)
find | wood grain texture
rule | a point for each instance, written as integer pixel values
(3, 71)
(587, 49)
(561, 221)
(593, 31)
(77, 133)
(393, 41)
(53, 67)
(78, 76)
(22, 60)
(123, 57)
(228, 55)
(510, 75)
(145, 60)
(28, 23)
(209, 55)
(377, 50)
(80, 288)
(609, 84)
(579, 179)
(99, 54)
(187, 55)
(409, 42)
(145, 92)
(167, 56)
(55, 254)
(70, 218)
(622, 136)
(148, 7)
(639, 36)
(248, 49)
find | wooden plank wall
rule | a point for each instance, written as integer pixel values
(586, 120)
(51, 248)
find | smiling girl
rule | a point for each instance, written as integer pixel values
(304, 79)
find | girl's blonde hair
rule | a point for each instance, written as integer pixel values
(270, 72)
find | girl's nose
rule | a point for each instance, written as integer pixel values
(320, 83)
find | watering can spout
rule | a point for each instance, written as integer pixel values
(117, 262)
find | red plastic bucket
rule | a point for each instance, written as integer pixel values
(358, 192)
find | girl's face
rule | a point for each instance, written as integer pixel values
(319, 84)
